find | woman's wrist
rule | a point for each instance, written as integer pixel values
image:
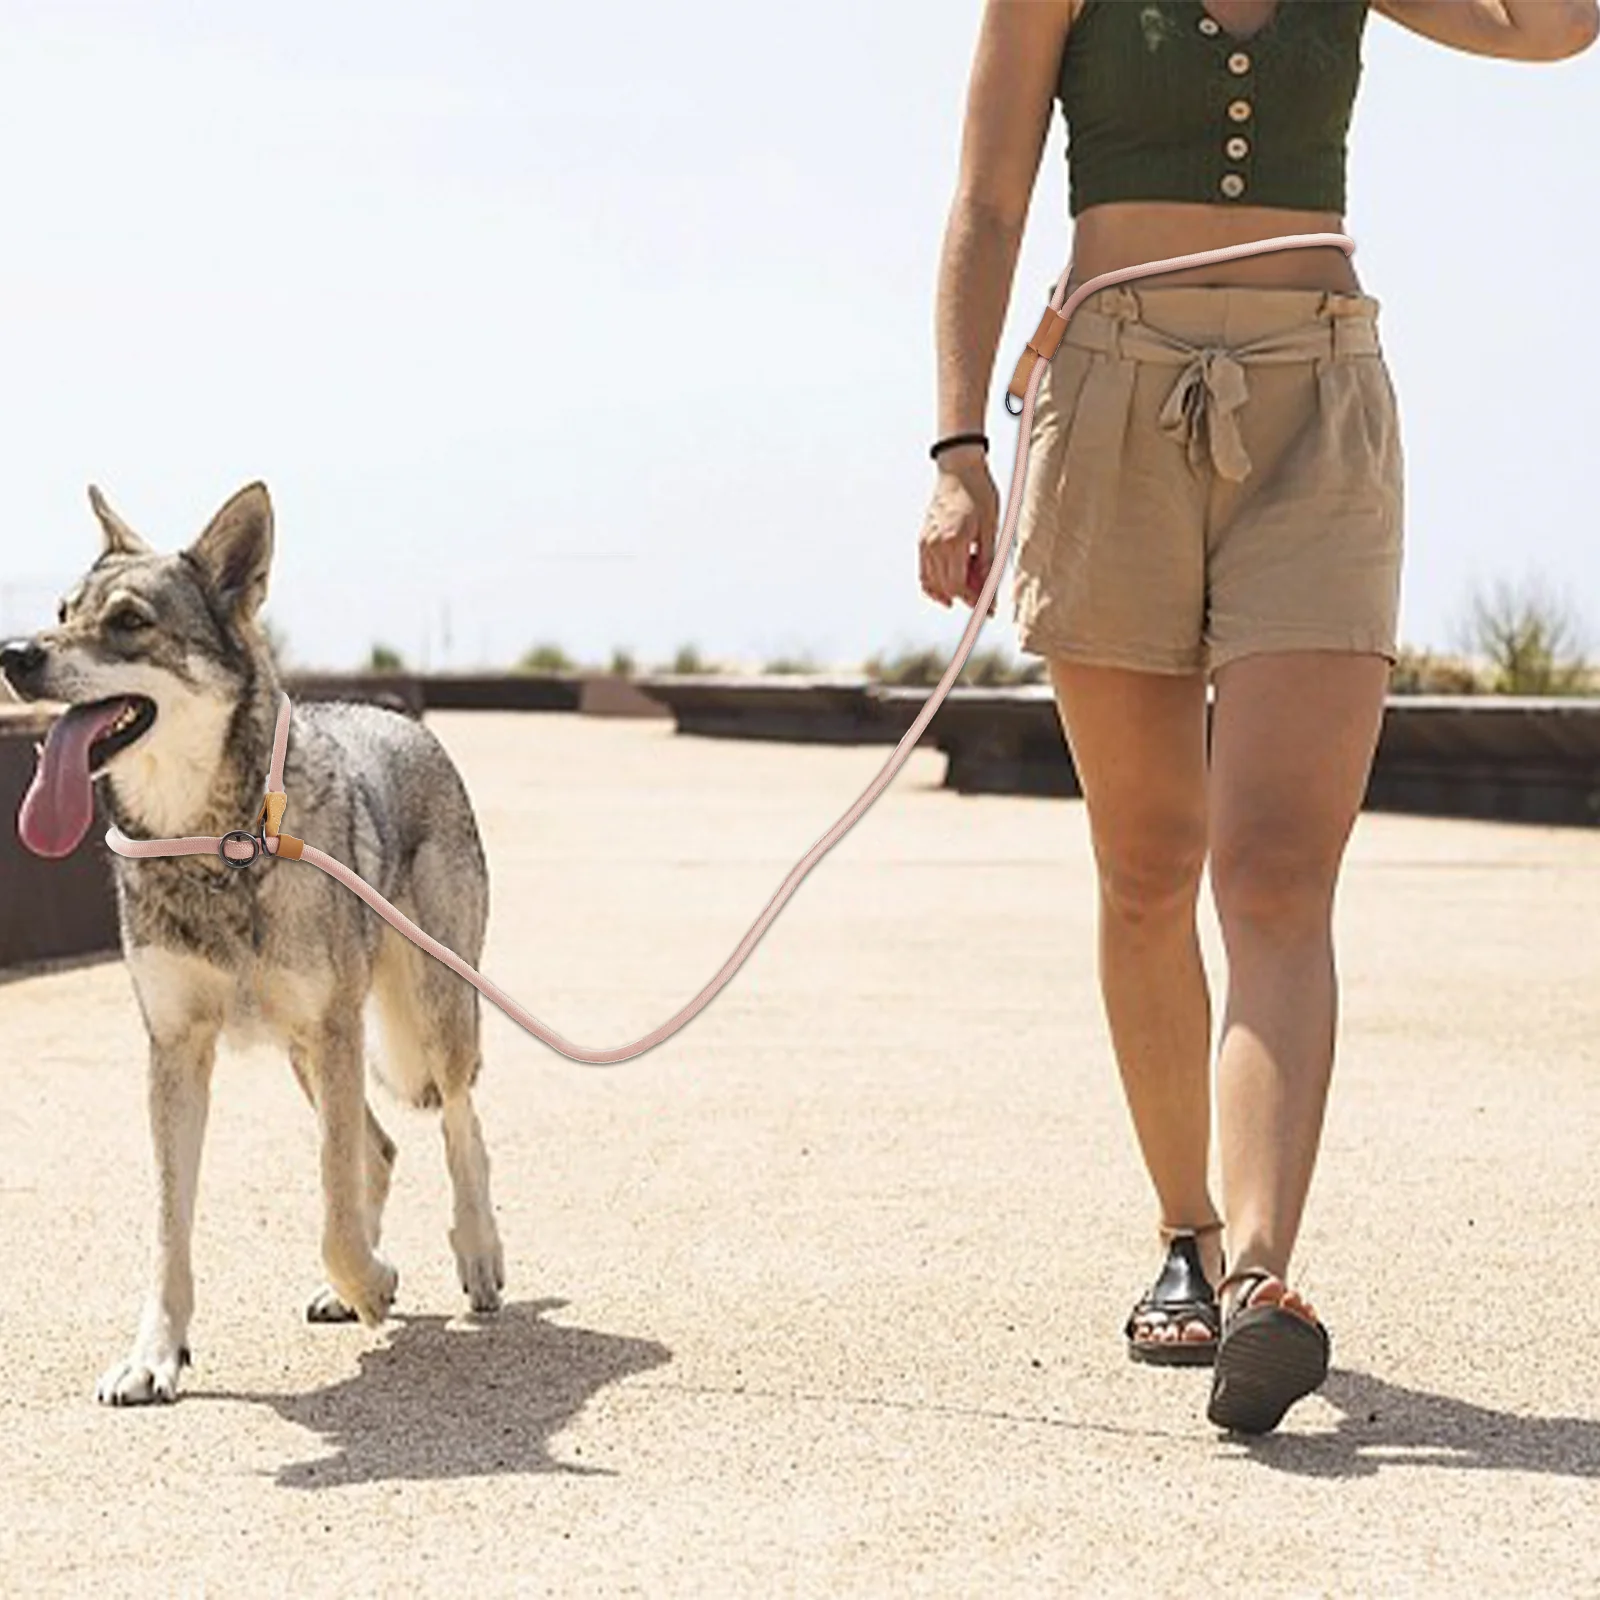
(961, 459)
(967, 440)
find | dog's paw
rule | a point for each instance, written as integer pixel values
(483, 1276)
(326, 1306)
(145, 1378)
(371, 1297)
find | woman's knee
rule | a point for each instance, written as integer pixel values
(1152, 873)
(1273, 879)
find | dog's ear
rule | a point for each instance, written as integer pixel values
(120, 538)
(235, 551)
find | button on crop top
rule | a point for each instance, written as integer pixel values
(1162, 103)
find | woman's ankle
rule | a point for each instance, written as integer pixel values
(1207, 1233)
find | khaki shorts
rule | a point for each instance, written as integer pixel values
(1212, 472)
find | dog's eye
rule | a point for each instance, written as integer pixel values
(126, 620)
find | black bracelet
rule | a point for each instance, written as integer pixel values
(951, 440)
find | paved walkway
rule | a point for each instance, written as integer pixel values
(823, 1297)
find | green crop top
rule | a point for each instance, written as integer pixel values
(1161, 103)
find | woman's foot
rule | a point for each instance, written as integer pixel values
(1177, 1322)
(1273, 1351)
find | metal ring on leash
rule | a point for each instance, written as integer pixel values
(233, 861)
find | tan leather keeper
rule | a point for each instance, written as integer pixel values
(290, 846)
(275, 804)
(1041, 347)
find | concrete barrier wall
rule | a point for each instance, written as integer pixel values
(1485, 756)
(501, 691)
(1499, 759)
(596, 694)
(1514, 760)
(399, 691)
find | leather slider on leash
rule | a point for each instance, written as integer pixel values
(1041, 347)
(273, 805)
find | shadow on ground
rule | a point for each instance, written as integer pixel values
(1384, 1425)
(442, 1399)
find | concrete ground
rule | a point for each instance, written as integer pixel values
(824, 1296)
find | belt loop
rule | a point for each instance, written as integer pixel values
(1328, 315)
(1125, 306)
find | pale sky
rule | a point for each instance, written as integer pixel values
(612, 324)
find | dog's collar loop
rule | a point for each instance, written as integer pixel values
(266, 839)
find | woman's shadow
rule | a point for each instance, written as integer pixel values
(1382, 1425)
(443, 1399)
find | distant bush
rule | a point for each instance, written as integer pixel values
(911, 669)
(994, 669)
(546, 658)
(385, 658)
(985, 669)
(1422, 672)
(689, 663)
(1530, 637)
(622, 664)
(791, 666)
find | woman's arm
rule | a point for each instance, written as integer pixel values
(1518, 30)
(1009, 103)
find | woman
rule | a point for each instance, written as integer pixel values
(1214, 490)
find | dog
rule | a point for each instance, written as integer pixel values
(172, 695)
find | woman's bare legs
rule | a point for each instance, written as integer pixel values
(1138, 742)
(1292, 740)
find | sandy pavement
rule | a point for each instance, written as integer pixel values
(824, 1296)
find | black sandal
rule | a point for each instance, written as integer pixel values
(1268, 1357)
(1181, 1295)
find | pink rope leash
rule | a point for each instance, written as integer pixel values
(241, 848)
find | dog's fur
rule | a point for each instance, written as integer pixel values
(277, 950)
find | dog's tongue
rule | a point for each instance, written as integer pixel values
(59, 805)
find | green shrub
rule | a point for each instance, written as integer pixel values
(911, 669)
(1530, 637)
(622, 664)
(385, 658)
(1423, 672)
(546, 658)
(689, 663)
(985, 669)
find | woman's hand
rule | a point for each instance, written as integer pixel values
(957, 541)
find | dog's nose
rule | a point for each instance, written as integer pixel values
(20, 660)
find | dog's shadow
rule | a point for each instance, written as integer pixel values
(443, 1398)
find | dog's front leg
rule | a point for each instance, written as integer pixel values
(356, 1273)
(179, 1098)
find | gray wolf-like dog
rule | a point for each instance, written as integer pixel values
(173, 695)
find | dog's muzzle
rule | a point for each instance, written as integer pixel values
(20, 661)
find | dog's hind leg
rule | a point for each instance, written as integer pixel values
(333, 1063)
(181, 1056)
(480, 1261)
(378, 1158)
(430, 1021)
